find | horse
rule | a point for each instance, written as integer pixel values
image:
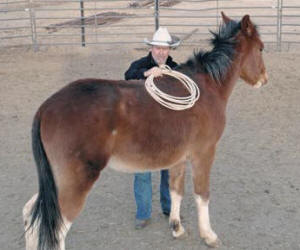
(93, 123)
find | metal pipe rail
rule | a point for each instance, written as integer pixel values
(93, 22)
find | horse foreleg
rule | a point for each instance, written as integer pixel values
(176, 192)
(201, 171)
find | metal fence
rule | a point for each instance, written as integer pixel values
(98, 22)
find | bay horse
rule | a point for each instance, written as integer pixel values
(94, 123)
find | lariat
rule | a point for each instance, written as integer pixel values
(169, 101)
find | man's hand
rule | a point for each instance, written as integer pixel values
(155, 71)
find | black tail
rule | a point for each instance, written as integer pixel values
(45, 212)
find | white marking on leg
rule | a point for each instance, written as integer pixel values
(31, 235)
(63, 233)
(175, 213)
(114, 132)
(206, 232)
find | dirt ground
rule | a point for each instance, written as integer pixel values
(255, 181)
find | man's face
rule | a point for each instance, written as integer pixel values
(160, 54)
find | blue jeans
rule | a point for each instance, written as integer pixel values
(143, 194)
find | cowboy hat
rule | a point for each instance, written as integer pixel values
(163, 38)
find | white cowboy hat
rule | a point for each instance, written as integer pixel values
(162, 38)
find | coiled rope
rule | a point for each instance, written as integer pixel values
(169, 101)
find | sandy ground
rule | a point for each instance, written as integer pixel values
(255, 181)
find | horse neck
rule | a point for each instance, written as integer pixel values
(230, 78)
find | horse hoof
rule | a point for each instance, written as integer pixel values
(178, 234)
(213, 243)
(177, 229)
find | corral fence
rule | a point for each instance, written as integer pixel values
(97, 22)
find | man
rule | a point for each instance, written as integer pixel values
(161, 44)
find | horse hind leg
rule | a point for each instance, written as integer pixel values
(32, 233)
(66, 225)
(72, 194)
(177, 174)
(73, 184)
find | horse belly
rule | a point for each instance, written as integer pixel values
(127, 166)
(121, 165)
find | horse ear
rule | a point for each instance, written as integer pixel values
(247, 26)
(225, 18)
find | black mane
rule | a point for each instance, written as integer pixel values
(219, 59)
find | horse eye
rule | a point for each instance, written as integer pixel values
(261, 49)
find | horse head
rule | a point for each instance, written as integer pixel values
(253, 69)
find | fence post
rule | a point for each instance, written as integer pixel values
(217, 9)
(279, 24)
(82, 23)
(33, 26)
(156, 14)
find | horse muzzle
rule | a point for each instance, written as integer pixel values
(262, 80)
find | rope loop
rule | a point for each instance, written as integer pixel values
(169, 101)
